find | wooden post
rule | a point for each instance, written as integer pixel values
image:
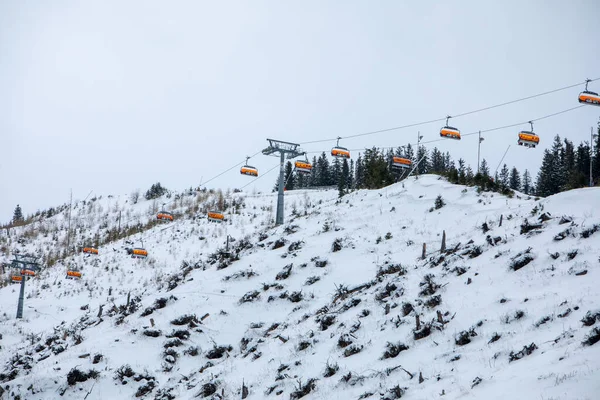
(100, 311)
(152, 322)
(424, 251)
(418, 321)
(501, 219)
(443, 249)
(128, 298)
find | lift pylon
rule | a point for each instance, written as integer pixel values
(292, 151)
(27, 265)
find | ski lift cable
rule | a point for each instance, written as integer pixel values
(477, 132)
(413, 125)
(416, 124)
(454, 116)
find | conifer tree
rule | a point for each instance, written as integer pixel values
(350, 183)
(462, 173)
(423, 160)
(314, 173)
(469, 176)
(515, 179)
(484, 170)
(526, 182)
(359, 176)
(504, 177)
(18, 215)
(409, 152)
(288, 179)
(546, 184)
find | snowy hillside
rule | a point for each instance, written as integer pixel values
(337, 303)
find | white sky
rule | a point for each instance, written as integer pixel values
(111, 96)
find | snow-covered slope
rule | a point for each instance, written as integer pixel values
(325, 306)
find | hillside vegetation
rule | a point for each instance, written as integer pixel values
(337, 303)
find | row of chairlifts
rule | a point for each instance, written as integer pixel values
(525, 138)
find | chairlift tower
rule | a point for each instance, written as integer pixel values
(292, 151)
(24, 262)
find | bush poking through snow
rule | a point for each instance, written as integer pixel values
(543, 320)
(319, 263)
(303, 390)
(507, 319)
(97, 358)
(208, 389)
(527, 350)
(191, 351)
(336, 246)
(181, 334)
(433, 301)
(295, 246)
(589, 232)
(303, 345)
(423, 332)
(311, 280)
(391, 269)
(390, 288)
(284, 273)
(345, 340)
(146, 388)
(428, 285)
(218, 351)
(279, 243)
(295, 297)
(590, 318)
(592, 338)
(393, 349)
(124, 371)
(407, 309)
(173, 343)
(239, 275)
(521, 260)
(352, 349)
(330, 370)
(170, 355)
(75, 375)
(464, 337)
(439, 202)
(152, 332)
(325, 321)
(394, 393)
(495, 337)
(189, 319)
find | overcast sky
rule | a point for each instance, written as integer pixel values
(111, 96)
